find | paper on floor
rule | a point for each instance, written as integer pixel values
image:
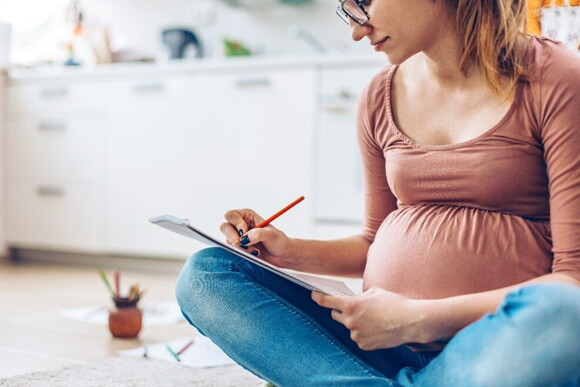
(202, 353)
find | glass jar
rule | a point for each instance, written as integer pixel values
(126, 319)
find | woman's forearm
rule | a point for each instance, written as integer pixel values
(342, 257)
(443, 318)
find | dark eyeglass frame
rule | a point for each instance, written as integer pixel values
(345, 15)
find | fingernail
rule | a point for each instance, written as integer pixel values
(245, 240)
(255, 252)
(244, 247)
(240, 232)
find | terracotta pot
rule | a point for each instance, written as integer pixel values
(126, 319)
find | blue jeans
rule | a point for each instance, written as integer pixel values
(272, 328)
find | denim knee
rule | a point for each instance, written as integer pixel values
(198, 284)
(531, 340)
(541, 336)
(559, 302)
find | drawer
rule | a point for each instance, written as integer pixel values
(54, 96)
(56, 216)
(344, 84)
(61, 148)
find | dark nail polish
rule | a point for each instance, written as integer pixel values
(255, 252)
(244, 247)
(245, 240)
(240, 232)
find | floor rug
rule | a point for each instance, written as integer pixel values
(136, 372)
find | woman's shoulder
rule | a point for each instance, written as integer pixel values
(378, 86)
(550, 61)
(381, 77)
(372, 108)
(554, 86)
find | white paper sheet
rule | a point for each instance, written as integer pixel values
(202, 353)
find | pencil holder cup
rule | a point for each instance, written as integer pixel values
(126, 319)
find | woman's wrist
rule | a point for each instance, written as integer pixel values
(293, 249)
(440, 319)
(425, 326)
(294, 253)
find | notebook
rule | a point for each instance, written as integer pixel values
(309, 281)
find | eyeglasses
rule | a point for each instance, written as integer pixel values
(353, 10)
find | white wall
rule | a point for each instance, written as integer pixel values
(135, 24)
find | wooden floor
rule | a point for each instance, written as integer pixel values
(33, 337)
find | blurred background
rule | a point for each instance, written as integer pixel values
(114, 111)
(44, 31)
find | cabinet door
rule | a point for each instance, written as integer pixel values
(56, 147)
(55, 96)
(197, 146)
(57, 216)
(338, 172)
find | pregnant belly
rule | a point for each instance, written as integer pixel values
(440, 251)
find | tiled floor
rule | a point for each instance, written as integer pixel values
(33, 337)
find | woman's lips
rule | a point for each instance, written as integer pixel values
(379, 44)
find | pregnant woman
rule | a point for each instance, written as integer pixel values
(470, 249)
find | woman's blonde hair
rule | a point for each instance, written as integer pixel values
(490, 33)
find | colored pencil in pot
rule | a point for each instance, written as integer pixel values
(107, 284)
(117, 277)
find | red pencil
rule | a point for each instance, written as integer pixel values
(277, 214)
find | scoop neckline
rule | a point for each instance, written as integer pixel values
(463, 144)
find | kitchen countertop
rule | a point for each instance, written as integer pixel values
(16, 75)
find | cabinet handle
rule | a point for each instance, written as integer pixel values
(50, 191)
(148, 88)
(46, 126)
(53, 92)
(253, 82)
(336, 108)
(342, 96)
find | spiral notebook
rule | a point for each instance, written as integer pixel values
(309, 281)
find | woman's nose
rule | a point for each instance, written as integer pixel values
(357, 31)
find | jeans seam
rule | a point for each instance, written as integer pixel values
(313, 323)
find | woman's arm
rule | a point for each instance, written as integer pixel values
(445, 317)
(381, 319)
(343, 257)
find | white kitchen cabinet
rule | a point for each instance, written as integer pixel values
(199, 145)
(89, 158)
(55, 147)
(56, 217)
(46, 148)
(50, 96)
(338, 187)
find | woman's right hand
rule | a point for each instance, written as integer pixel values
(268, 242)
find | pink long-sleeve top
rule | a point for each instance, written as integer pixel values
(487, 213)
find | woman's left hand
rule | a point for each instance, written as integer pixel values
(376, 318)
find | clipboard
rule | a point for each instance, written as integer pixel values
(308, 281)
